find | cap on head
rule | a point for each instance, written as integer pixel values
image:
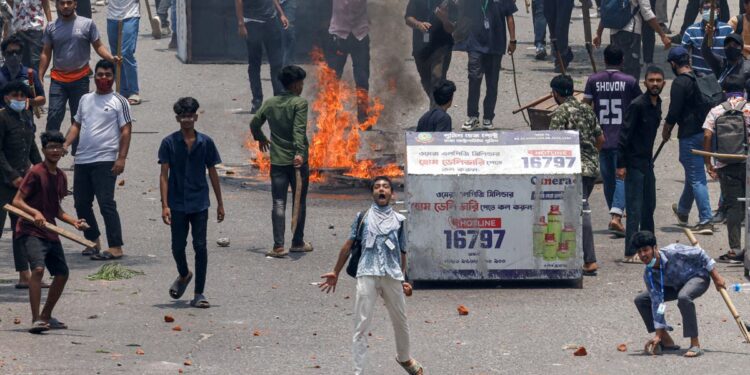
(677, 54)
(734, 37)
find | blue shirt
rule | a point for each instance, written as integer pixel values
(188, 186)
(693, 38)
(678, 264)
(380, 260)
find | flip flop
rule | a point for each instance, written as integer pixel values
(26, 286)
(590, 273)
(89, 251)
(105, 255)
(39, 327)
(696, 351)
(412, 369)
(178, 289)
(200, 302)
(632, 260)
(277, 254)
(730, 257)
(53, 323)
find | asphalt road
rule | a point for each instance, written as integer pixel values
(267, 318)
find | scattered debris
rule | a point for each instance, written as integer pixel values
(256, 333)
(223, 242)
(188, 362)
(229, 172)
(76, 343)
(113, 271)
(168, 318)
(177, 328)
(463, 310)
(622, 348)
(139, 351)
(17, 321)
(580, 352)
(121, 183)
(102, 351)
(570, 347)
(93, 316)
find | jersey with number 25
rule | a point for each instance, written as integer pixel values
(611, 92)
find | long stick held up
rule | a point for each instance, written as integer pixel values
(118, 75)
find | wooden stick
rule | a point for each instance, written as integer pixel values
(539, 101)
(119, 54)
(719, 156)
(735, 314)
(297, 199)
(724, 294)
(49, 226)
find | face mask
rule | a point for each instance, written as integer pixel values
(733, 53)
(17, 105)
(13, 62)
(651, 263)
(707, 15)
(104, 84)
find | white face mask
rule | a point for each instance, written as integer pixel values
(707, 15)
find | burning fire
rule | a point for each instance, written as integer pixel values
(336, 140)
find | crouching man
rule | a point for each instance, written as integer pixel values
(379, 232)
(676, 272)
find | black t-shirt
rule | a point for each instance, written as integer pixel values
(684, 109)
(424, 11)
(259, 10)
(481, 25)
(435, 120)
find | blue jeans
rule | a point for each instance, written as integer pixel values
(540, 23)
(61, 93)
(183, 223)
(288, 36)
(614, 188)
(695, 187)
(641, 202)
(129, 77)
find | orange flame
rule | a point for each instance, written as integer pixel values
(336, 140)
(259, 159)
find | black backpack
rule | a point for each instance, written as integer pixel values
(709, 95)
(616, 14)
(730, 133)
(356, 250)
(740, 23)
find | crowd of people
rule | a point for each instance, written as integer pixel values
(617, 124)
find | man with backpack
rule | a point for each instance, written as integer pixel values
(378, 261)
(688, 107)
(726, 129)
(733, 63)
(625, 18)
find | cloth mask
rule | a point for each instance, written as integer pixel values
(17, 105)
(104, 84)
(651, 263)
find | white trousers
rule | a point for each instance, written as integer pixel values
(368, 289)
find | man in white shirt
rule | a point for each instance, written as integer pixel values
(127, 11)
(104, 125)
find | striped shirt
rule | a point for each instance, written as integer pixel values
(693, 38)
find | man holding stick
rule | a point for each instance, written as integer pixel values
(40, 195)
(676, 272)
(287, 117)
(127, 13)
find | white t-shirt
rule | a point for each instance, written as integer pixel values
(123, 9)
(101, 118)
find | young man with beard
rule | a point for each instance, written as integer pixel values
(69, 40)
(574, 115)
(287, 117)
(635, 158)
(685, 110)
(611, 92)
(18, 152)
(185, 156)
(103, 127)
(40, 195)
(675, 272)
(381, 271)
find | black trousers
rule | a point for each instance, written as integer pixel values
(488, 67)
(557, 13)
(281, 177)
(338, 52)
(433, 68)
(589, 254)
(640, 203)
(96, 180)
(196, 223)
(19, 257)
(260, 35)
(732, 181)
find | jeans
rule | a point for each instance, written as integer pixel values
(181, 224)
(540, 23)
(432, 69)
(61, 93)
(20, 259)
(336, 57)
(614, 188)
(97, 180)
(487, 66)
(695, 187)
(557, 13)
(693, 8)
(732, 180)
(289, 35)
(685, 297)
(268, 35)
(648, 37)
(392, 292)
(630, 43)
(162, 10)
(640, 198)
(589, 254)
(33, 44)
(83, 8)
(129, 75)
(281, 177)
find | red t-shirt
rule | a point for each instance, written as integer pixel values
(44, 191)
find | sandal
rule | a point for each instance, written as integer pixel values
(53, 323)
(306, 247)
(26, 286)
(178, 287)
(635, 259)
(695, 351)
(89, 251)
(414, 369)
(665, 348)
(730, 257)
(279, 252)
(134, 99)
(200, 302)
(38, 327)
(105, 255)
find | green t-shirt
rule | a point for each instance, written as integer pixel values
(287, 117)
